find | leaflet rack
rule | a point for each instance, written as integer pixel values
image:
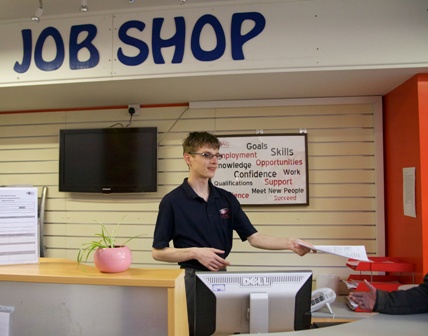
(380, 264)
(389, 281)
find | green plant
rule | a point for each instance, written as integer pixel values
(108, 240)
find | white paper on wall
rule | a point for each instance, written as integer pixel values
(18, 226)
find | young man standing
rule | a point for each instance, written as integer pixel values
(200, 218)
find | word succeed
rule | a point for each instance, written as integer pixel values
(83, 37)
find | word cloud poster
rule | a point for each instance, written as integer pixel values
(264, 169)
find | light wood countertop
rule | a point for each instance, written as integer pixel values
(63, 271)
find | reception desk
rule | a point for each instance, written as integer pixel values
(380, 324)
(59, 297)
(361, 324)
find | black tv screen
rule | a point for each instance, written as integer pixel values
(108, 160)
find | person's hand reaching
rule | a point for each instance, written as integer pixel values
(365, 300)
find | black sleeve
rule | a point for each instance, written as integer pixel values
(241, 223)
(163, 232)
(411, 301)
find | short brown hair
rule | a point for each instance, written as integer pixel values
(196, 140)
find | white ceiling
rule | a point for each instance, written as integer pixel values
(299, 84)
(21, 9)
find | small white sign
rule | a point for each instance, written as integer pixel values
(18, 226)
(409, 192)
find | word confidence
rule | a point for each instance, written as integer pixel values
(82, 38)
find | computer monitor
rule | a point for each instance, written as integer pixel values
(252, 302)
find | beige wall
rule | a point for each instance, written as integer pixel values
(344, 173)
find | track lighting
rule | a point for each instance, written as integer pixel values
(84, 6)
(181, 2)
(38, 13)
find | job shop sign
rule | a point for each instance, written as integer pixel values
(126, 45)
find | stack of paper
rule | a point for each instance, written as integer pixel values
(357, 252)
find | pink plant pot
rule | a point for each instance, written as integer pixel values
(113, 260)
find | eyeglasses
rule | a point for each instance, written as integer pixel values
(208, 156)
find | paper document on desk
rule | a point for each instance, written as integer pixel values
(357, 252)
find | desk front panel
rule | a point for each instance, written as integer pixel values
(86, 310)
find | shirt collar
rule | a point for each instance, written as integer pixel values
(191, 193)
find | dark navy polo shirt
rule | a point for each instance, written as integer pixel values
(189, 221)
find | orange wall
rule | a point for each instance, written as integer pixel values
(406, 145)
(423, 127)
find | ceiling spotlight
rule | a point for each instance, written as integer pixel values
(131, 1)
(181, 2)
(39, 12)
(84, 6)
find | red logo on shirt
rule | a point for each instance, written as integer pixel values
(225, 213)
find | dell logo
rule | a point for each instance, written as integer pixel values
(255, 281)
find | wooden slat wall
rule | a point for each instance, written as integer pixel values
(344, 202)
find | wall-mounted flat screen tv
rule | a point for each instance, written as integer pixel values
(108, 160)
